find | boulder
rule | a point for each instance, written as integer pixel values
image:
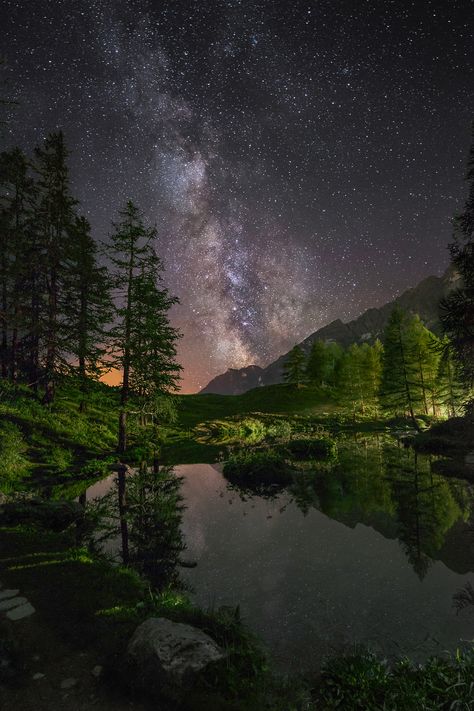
(166, 656)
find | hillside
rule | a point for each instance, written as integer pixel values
(423, 299)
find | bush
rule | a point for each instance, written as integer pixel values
(252, 467)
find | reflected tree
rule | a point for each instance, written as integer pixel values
(154, 515)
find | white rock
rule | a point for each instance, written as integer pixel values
(18, 613)
(170, 651)
(68, 683)
(12, 602)
(38, 676)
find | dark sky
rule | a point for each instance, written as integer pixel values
(301, 160)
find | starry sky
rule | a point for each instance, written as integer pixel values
(301, 160)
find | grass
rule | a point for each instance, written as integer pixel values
(283, 399)
(365, 683)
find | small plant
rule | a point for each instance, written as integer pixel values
(363, 682)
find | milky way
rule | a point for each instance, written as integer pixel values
(301, 160)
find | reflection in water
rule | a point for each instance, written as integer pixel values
(368, 549)
(365, 550)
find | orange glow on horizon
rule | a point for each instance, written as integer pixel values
(114, 377)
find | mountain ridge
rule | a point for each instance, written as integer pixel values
(422, 299)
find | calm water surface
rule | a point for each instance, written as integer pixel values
(368, 550)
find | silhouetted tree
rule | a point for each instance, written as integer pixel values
(87, 306)
(55, 217)
(457, 309)
(142, 338)
(294, 366)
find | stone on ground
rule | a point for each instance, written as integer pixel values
(12, 602)
(169, 654)
(18, 613)
(8, 593)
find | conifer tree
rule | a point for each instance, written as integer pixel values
(424, 352)
(317, 367)
(87, 307)
(358, 377)
(16, 262)
(334, 354)
(55, 218)
(451, 391)
(294, 366)
(152, 338)
(457, 309)
(142, 337)
(397, 390)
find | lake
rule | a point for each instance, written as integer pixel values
(366, 550)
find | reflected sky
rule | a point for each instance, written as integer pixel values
(310, 585)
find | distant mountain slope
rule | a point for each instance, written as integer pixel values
(422, 299)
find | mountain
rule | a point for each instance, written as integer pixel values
(422, 299)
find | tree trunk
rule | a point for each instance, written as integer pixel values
(122, 504)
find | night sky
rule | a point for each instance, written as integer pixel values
(301, 160)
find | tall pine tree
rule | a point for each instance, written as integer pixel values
(55, 218)
(142, 337)
(87, 307)
(457, 309)
(294, 366)
(398, 390)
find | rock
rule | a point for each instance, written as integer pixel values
(18, 613)
(8, 593)
(38, 676)
(11, 602)
(68, 683)
(166, 656)
(97, 671)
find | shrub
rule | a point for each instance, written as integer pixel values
(252, 467)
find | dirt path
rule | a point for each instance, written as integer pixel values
(47, 674)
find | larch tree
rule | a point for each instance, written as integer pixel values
(294, 366)
(317, 367)
(55, 218)
(87, 307)
(451, 390)
(142, 338)
(424, 353)
(398, 392)
(16, 227)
